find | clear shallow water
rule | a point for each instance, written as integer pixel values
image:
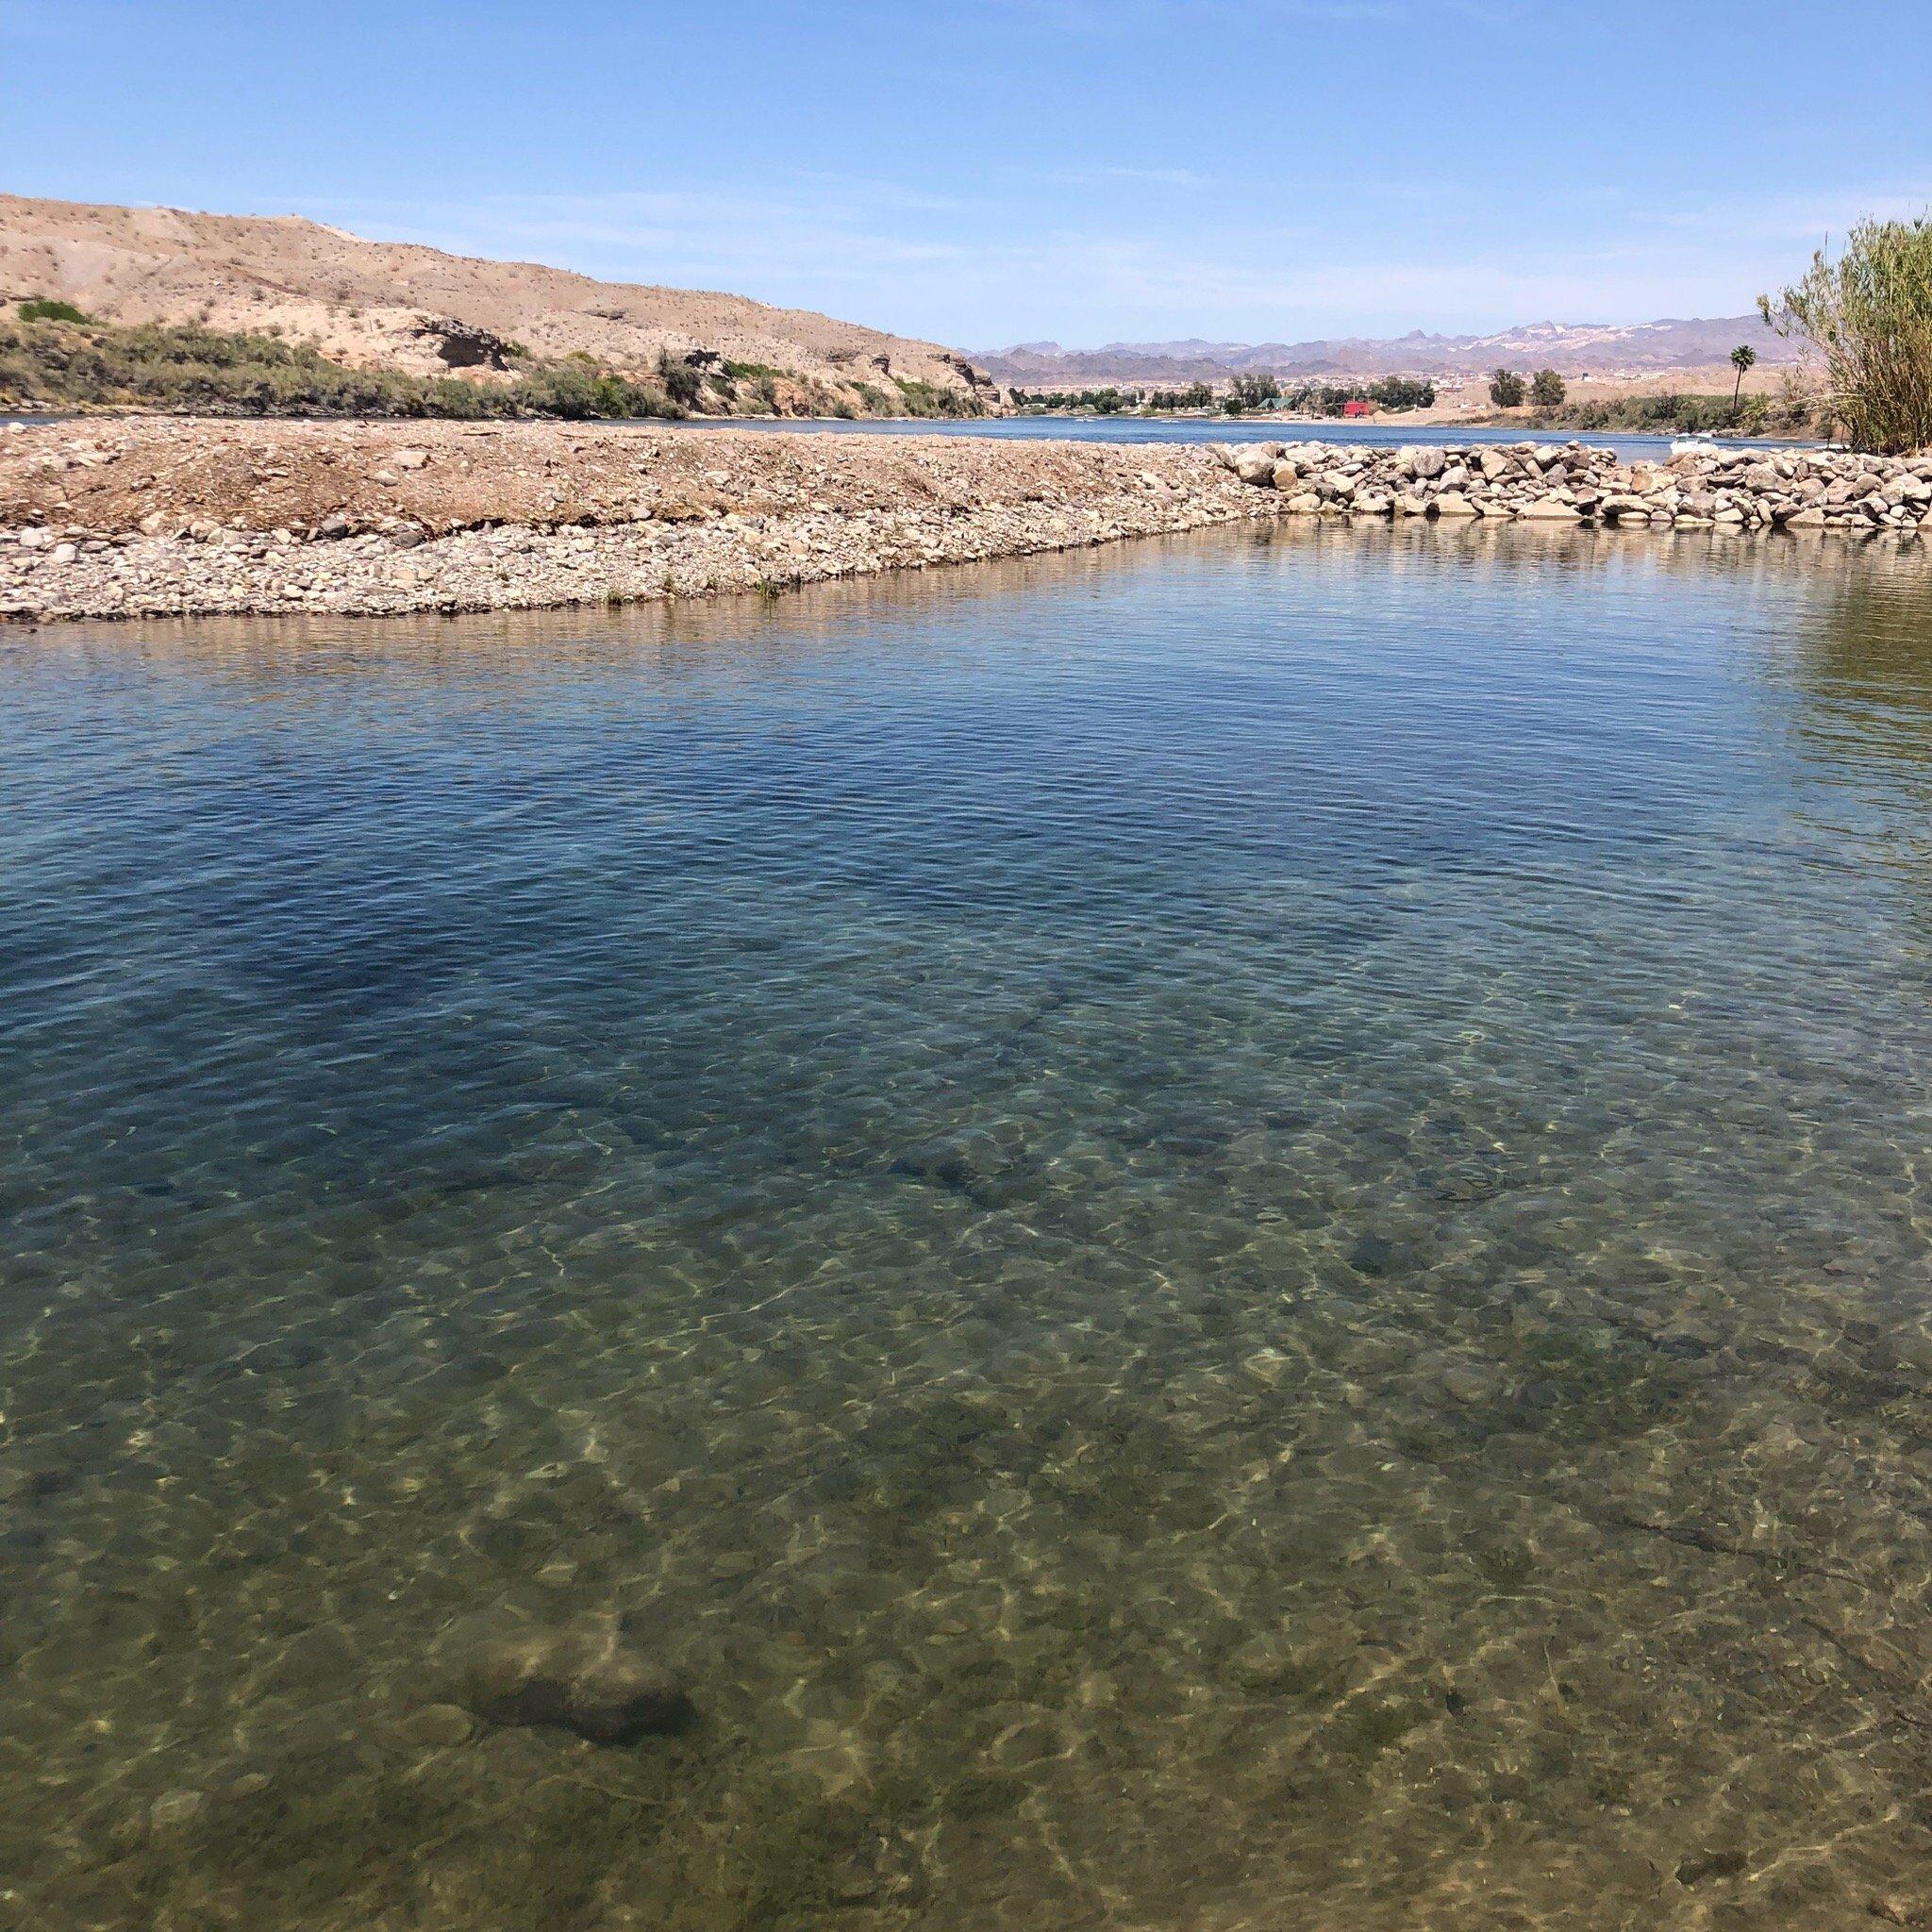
(1225, 1234)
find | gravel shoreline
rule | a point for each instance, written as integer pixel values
(158, 517)
(154, 518)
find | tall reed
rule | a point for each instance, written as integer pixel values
(1869, 310)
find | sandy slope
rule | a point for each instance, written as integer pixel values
(381, 303)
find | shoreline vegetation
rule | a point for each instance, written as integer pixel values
(141, 517)
(53, 357)
(1795, 410)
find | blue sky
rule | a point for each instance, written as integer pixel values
(1017, 169)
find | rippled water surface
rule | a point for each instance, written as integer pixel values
(1228, 1234)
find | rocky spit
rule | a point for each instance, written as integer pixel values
(159, 517)
(152, 517)
(1700, 487)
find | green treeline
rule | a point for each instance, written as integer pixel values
(1245, 394)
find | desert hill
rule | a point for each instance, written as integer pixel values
(399, 306)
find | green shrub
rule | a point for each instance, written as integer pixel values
(1505, 388)
(47, 309)
(679, 380)
(917, 398)
(1546, 389)
(1869, 314)
(1671, 415)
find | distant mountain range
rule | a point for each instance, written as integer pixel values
(1643, 348)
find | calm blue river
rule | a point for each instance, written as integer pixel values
(1225, 1234)
(1388, 433)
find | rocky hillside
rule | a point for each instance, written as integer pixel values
(384, 305)
(1631, 349)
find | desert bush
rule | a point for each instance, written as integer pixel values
(1547, 389)
(918, 398)
(1669, 416)
(47, 309)
(1505, 388)
(1868, 311)
(678, 378)
(1798, 408)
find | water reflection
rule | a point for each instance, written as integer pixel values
(1227, 1234)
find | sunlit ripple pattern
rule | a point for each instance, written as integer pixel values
(1230, 1234)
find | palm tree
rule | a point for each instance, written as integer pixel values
(1741, 358)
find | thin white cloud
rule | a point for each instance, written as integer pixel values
(1150, 178)
(1002, 268)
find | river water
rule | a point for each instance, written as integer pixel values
(1230, 1232)
(1388, 433)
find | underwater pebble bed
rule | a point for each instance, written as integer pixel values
(1227, 1234)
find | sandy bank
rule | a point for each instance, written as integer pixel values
(166, 517)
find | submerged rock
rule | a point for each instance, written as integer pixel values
(175, 1811)
(973, 1164)
(1696, 1867)
(580, 1681)
(1471, 1382)
(438, 1727)
(1372, 1254)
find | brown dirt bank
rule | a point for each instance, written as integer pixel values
(172, 517)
